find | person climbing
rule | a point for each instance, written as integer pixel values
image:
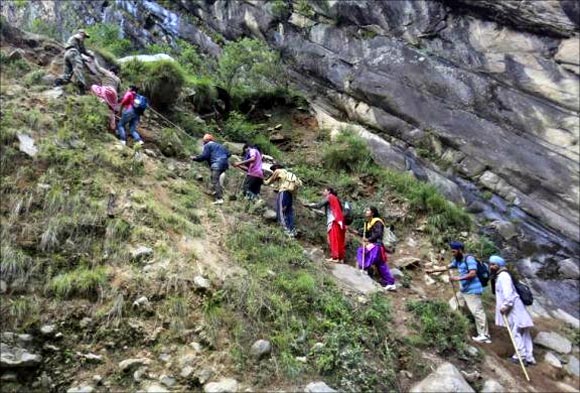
(73, 60)
(373, 251)
(471, 288)
(508, 303)
(288, 184)
(252, 165)
(335, 225)
(108, 90)
(216, 156)
(128, 116)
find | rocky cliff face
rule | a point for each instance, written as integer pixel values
(471, 95)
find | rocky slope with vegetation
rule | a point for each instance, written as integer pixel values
(117, 274)
(477, 98)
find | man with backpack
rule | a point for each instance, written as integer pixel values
(471, 288)
(216, 155)
(288, 185)
(509, 304)
(130, 114)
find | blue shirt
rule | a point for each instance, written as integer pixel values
(215, 154)
(471, 286)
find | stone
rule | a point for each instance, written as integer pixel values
(565, 317)
(196, 346)
(142, 301)
(428, 280)
(16, 54)
(397, 274)
(552, 360)
(155, 388)
(203, 375)
(48, 330)
(130, 364)
(352, 278)
(140, 373)
(318, 387)
(186, 372)
(3, 286)
(146, 58)
(16, 357)
(53, 94)
(167, 380)
(261, 349)
(317, 347)
(573, 366)
(92, 358)
(553, 341)
(269, 215)
(492, 386)
(407, 262)
(141, 253)
(222, 386)
(201, 283)
(85, 322)
(569, 268)
(506, 229)
(81, 389)
(445, 379)
(97, 379)
(565, 388)
(471, 350)
(26, 145)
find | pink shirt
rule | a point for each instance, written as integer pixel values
(127, 101)
(255, 168)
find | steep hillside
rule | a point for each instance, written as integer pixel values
(479, 98)
(118, 274)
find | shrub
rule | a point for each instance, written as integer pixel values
(46, 28)
(161, 81)
(33, 78)
(238, 129)
(482, 247)
(108, 37)
(83, 281)
(347, 153)
(205, 93)
(438, 326)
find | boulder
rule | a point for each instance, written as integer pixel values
(397, 273)
(492, 386)
(569, 268)
(261, 349)
(203, 375)
(565, 317)
(318, 387)
(167, 380)
(222, 386)
(27, 145)
(3, 286)
(552, 360)
(506, 229)
(553, 341)
(269, 215)
(201, 283)
(48, 330)
(573, 366)
(186, 372)
(16, 357)
(155, 388)
(407, 262)
(353, 279)
(445, 379)
(146, 58)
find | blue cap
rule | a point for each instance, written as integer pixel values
(455, 245)
(497, 260)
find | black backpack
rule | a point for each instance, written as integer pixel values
(482, 271)
(523, 290)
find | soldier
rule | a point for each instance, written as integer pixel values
(73, 60)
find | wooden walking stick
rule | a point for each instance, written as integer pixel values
(454, 293)
(364, 249)
(515, 347)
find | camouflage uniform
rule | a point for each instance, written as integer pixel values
(73, 61)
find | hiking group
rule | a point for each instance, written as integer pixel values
(375, 236)
(77, 61)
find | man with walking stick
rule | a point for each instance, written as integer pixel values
(471, 288)
(511, 312)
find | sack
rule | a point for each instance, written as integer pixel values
(347, 213)
(524, 291)
(389, 238)
(140, 103)
(482, 271)
(293, 183)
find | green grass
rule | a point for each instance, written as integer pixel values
(295, 305)
(83, 282)
(438, 327)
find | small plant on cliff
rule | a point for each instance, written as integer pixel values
(109, 37)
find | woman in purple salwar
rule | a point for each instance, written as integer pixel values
(508, 303)
(374, 249)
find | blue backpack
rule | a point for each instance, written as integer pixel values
(140, 104)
